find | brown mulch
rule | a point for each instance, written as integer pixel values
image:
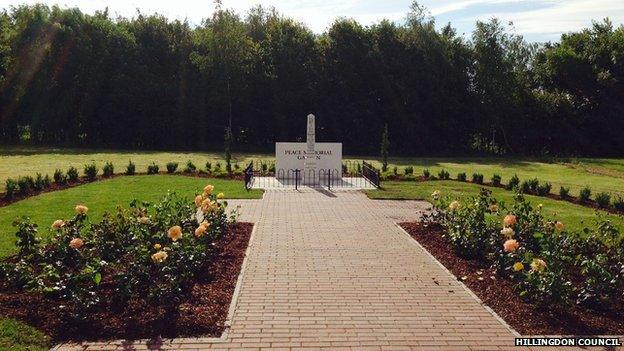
(497, 293)
(202, 310)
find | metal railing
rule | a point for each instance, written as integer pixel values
(354, 175)
(371, 173)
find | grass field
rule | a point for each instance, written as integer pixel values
(574, 216)
(600, 174)
(17, 336)
(105, 196)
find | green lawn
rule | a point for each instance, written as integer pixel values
(574, 216)
(104, 196)
(600, 174)
(17, 336)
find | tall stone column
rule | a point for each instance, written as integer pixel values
(310, 176)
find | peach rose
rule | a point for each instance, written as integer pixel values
(174, 233)
(76, 243)
(511, 245)
(493, 208)
(81, 209)
(559, 225)
(58, 224)
(454, 205)
(198, 200)
(144, 220)
(510, 220)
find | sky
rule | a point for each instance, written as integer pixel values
(537, 20)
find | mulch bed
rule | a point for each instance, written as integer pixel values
(498, 293)
(202, 311)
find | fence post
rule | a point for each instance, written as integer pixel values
(329, 179)
(296, 179)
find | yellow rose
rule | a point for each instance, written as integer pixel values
(58, 224)
(157, 246)
(454, 205)
(507, 232)
(435, 195)
(220, 196)
(518, 266)
(144, 220)
(538, 265)
(493, 208)
(208, 189)
(81, 209)
(174, 233)
(159, 257)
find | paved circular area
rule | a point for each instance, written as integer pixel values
(332, 270)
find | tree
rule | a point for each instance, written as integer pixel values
(385, 144)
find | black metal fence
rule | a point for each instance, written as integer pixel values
(354, 174)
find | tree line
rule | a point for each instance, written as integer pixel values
(72, 79)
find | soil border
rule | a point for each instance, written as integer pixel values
(523, 318)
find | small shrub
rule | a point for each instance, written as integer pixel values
(72, 174)
(618, 203)
(59, 177)
(409, 170)
(477, 178)
(426, 173)
(108, 169)
(603, 199)
(395, 170)
(264, 168)
(585, 194)
(172, 167)
(564, 192)
(272, 168)
(38, 184)
(461, 176)
(496, 180)
(514, 182)
(47, 182)
(90, 172)
(26, 184)
(10, 188)
(208, 166)
(533, 185)
(525, 187)
(544, 189)
(130, 168)
(444, 175)
(218, 166)
(152, 169)
(190, 167)
(236, 167)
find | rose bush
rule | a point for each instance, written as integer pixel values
(149, 251)
(547, 263)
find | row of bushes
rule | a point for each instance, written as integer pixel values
(145, 251)
(530, 186)
(546, 263)
(26, 185)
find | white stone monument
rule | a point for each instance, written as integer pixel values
(314, 161)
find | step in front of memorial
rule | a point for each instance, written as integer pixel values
(345, 183)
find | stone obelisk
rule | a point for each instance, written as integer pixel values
(310, 174)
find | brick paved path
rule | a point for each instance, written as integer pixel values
(334, 271)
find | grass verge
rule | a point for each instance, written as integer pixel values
(105, 196)
(574, 216)
(17, 336)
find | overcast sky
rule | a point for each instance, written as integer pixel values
(537, 20)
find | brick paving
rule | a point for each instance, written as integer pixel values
(333, 271)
